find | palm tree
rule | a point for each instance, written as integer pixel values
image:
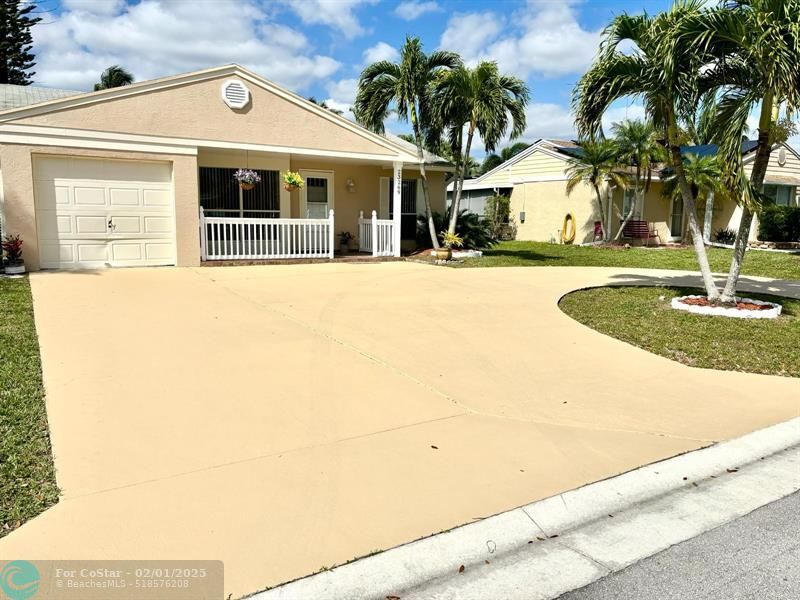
(324, 104)
(639, 148)
(492, 161)
(482, 100)
(407, 85)
(596, 163)
(704, 175)
(114, 76)
(756, 50)
(662, 70)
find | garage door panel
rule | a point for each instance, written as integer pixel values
(91, 224)
(155, 197)
(121, 252)
(89, 196)
(124, 196)
(76, 199)
(127, 225)
(157, 224)
(92, 252)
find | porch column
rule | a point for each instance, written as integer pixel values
(397, 207)
(708, 217)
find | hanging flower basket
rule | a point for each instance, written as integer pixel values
(247, 178)
(292, 181)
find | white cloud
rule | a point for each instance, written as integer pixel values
(152, 39)
(544, 38)
(338, 14)
(380, 51)
(468, 34)
(548, 120)
(413, 9)
(341, 95)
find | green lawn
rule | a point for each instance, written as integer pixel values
(536, 254)
(643, 317)
(27, 476)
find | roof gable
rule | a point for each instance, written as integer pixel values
(191, 106)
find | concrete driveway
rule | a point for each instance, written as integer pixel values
(287, 418)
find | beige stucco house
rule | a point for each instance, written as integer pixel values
(536, 181)
(119, 177)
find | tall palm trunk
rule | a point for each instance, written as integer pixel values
(424, 176)
(757, 175)
(599, 199)
(461, 177)
(626, 218)
(690, 208)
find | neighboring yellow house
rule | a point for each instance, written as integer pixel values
(536, 181)
(118, 177)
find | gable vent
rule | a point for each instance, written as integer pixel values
(235, 94)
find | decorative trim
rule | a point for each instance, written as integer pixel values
(82, 138)
(194, 77)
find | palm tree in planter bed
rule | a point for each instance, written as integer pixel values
(406, 86)
(662, 70)
(755, 50)
(595, 163)
(482, 100)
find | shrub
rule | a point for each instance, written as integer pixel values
(779, 224)
(498, 213)
(725, 236)
(473, 229)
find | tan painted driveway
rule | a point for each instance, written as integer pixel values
(283, 418)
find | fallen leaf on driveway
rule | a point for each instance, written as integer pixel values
(461, 569)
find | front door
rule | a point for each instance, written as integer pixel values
(316, 197)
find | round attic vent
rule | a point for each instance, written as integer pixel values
(235, 94)
(782, 156)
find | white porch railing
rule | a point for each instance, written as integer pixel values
(230, 238)
(375, 235)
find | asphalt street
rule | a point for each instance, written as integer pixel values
(756, 557)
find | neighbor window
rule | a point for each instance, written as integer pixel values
(781, 195)
(628, 201)
(221, 196)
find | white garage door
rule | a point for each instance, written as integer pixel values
(96, 213)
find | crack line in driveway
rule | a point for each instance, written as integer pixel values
(577, 424)
(277, 453)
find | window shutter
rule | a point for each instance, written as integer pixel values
(383, 208)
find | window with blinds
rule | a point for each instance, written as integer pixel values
(221, 196)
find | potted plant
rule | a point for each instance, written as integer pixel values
(292, 181)
(247, 178)
(344, 242)
(12, 247)
(449, 241)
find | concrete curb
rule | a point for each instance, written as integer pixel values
(416, 564)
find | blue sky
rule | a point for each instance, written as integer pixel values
(318, 47)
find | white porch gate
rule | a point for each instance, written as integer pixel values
(376, 235)
(232, 238)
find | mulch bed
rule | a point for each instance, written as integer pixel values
(739, 305)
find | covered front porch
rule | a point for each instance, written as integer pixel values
(376, 201)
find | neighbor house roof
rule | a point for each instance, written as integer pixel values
(14, 96)
(552, 146)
